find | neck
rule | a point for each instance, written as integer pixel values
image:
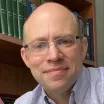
(59, 98)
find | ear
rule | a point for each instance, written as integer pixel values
(84, 47)
(24, 57)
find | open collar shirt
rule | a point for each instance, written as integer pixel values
(88, 89)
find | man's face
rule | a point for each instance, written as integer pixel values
(58, 69)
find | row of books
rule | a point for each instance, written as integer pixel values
(86, 28)
(13, 14)
(8, 100)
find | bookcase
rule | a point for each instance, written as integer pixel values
(15, 77)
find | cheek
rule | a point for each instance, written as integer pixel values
(35, 67)
(73, 57)
(74, 53)
(35, 61)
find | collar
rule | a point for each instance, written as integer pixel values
(44, 94)
(81, 87)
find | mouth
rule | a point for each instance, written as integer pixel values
(56, 69)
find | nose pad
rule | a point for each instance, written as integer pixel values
(54, 53)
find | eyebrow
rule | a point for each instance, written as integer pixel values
(63, 35)
(46, 38)
(40, 39)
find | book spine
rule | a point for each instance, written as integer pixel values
(90, 21)
(10, 17)
(86, 25)
(3, 17)
(20, 10)
(15, 18)
(81, 23)
(30, 7)
(8, 101)
(25, 10)
(43, 1)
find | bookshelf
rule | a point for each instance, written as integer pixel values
(15, 78)
(10, 50)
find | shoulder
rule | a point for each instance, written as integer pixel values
(28, 97)
(96, 76)
(96, 80)
(24, 99)
(96, 71)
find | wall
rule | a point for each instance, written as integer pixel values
(99, 4)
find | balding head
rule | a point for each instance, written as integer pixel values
(43, 15)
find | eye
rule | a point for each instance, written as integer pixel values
(65, 41)
(40, 45)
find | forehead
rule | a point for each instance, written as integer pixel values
(50, 26)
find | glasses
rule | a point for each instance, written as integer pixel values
(42, 47)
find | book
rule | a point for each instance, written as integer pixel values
(20, 10)
(81, 24)
(25, 10)
(3, 17)
(10, 17)
(0, 23)
(15, 18)
(44, 1)
(8, 100)
(86, 34)
(75, 13)
(90, 21)
(30, 7)
(84, 29)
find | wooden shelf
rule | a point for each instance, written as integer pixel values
(10, 39)
(10, 50)
(75, 5)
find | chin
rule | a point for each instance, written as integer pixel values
(58, 86)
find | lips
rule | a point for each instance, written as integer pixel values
(55, 69)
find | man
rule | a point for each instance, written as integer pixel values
(54, 51)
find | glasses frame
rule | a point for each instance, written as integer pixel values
(77, 37)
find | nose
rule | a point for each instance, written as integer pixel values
(54, 54)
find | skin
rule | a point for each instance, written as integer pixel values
(47, 22)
